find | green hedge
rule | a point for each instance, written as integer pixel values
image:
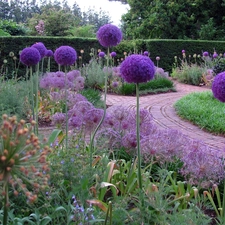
(166, 49)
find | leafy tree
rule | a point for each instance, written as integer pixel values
(174, 19)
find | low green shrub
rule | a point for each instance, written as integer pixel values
(158, 85)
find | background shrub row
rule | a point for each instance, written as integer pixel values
(166, 49)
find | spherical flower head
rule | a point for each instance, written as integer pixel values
(183, 51)
(101, 54)
(30, 56)
(157, 58)
(215, 55)
(113, 54)
(205, 54)
(218, 87)
(137, 69)
(49, 53)
(41, 48)
(109, 35)
(65, 55)
(146, 53)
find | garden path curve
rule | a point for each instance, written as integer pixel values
(163, 112)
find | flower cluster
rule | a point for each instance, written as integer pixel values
(41, 48)
(22, 158)
(109, 35)
(218, 87)
(40, 28)
(137, 69)
(30, 56)
(72, 80)
(65, 55)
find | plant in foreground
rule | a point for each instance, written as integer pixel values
(22, 161)
(137, 69)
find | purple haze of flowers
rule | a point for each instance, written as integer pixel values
(113, 54)
(146, 53)
(65, 55)
(30, 56)
(109, 35)
(101, 54)
(49, 53)
(218, 87)
(183, 51)
(41, 48)
(205, 54)
(137, 69)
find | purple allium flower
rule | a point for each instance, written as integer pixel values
(146, 53)
(137, 69)
(73, 74)
(41, 48)
(79, 83)
(115, 84)
(218, 87)
(101, 54)
(49, 53)
(183, 51)
(205, 54)
(113, 54)
(116, 71)
(109, 35)
(157, 58)
(65, 55)
(30, 56)
(215, 55)
(129, 141)
(58, 118)
(74, 98)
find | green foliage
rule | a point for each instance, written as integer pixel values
(173, 20)
(219, 66)
(199, 108)
(14, 99)
(157, 85)
(83, 31)
(94, 75)
(3, 33)
(189, 73)
(93, 96)
(12, 28)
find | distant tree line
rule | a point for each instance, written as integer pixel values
(49, 18)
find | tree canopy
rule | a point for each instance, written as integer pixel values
(169, 19)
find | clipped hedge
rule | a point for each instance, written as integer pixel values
(166, 49)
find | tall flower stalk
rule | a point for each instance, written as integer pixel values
(108, 35)
(137, 69)
(31, 56)
(65, 56)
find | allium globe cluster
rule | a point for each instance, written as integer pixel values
(101, 54)
(218, 87)
(113, 54)
(205, 54)
(49, 53)
(109, 35)
(41, 48)
(30, 56)
(137, 69)
(65, 55)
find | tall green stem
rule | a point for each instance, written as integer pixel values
(6, 204)
(32, 93)
(36, 95)
(104, 113)
(66, 107)
(138, 138)
(223, 206)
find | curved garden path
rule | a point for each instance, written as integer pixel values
(163, 112)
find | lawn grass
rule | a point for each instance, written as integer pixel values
(203, 110)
